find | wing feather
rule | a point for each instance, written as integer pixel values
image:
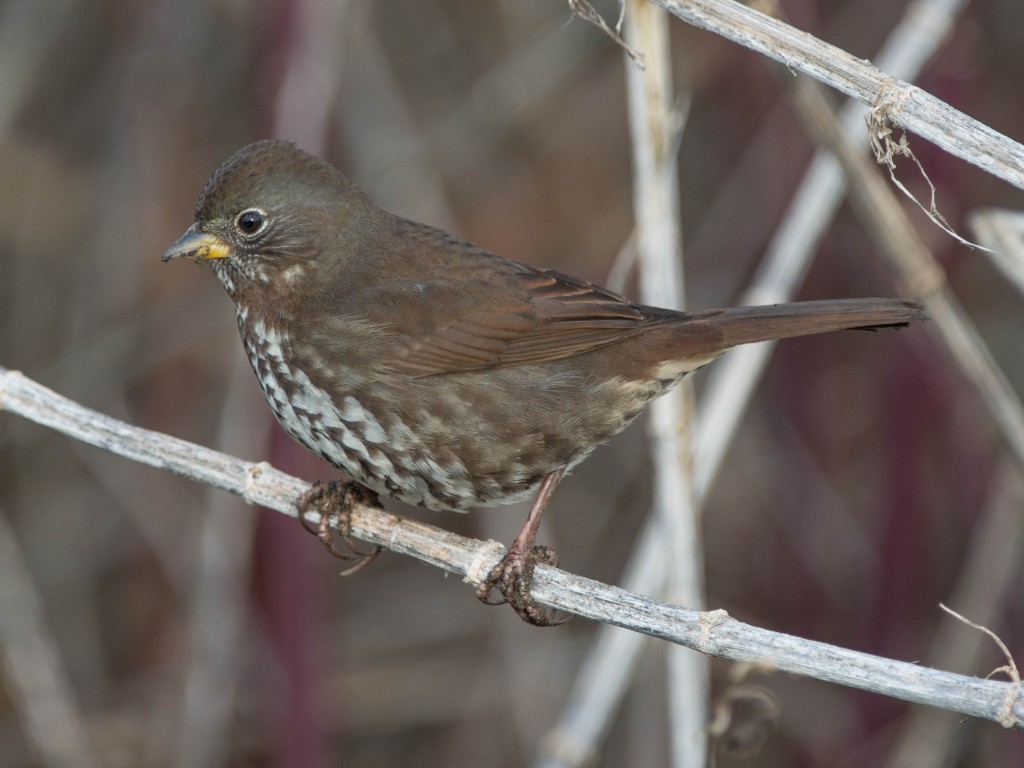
(535, 316)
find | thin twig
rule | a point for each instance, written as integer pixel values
(1010, 667)
(587, 12)
(987, 580)
(886, 148)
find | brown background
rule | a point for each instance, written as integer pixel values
(845, 510)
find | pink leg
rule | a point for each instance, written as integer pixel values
(514, 573)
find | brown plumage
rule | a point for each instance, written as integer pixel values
(430, 369)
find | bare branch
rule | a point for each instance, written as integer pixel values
(713, 633)
(660, 251)
(910, 107)
(1002, 233)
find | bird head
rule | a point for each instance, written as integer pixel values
(267, 214)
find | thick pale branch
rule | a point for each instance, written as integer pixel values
(902, 103)
(712, 633)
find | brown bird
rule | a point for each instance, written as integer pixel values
(434, 371)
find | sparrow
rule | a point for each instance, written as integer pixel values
(435, 372)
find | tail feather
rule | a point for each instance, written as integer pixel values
(745, 325)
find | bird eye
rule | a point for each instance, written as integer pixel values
(251, 221)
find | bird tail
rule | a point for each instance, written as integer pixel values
(744, 325)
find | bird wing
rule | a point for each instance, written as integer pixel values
(502, 313)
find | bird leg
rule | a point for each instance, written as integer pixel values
(335, 499)
(513, 575)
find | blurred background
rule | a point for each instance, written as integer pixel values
(146, 621)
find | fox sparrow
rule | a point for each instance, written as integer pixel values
(432, 370)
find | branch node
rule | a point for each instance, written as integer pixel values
(1014, 690)
(487, 554)
(1005, 714)
(708, 621)
(253, 473)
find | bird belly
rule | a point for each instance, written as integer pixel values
(384, 454)
(476, 439)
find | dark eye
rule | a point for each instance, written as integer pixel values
(251, 221)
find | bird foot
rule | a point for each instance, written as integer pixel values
(513, 577)
(334, 501)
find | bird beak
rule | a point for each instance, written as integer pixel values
(198, 246)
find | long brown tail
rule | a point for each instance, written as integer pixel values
(743, 325)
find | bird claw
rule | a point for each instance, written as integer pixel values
(334, 500)
(512, 576)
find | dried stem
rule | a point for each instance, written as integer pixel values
(903, 104)
(606, 671)
(712, 633)
(654, 131)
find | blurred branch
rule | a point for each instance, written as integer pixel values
(654, 131)
(887, 223)
(34, 675)
(890, 98)
(712, 633)
(510, 92)
(217, 608)
(28, 33)
(607, 669)
(921, 31)
(1001, 231)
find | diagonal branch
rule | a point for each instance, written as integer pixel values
(895, 100)
(712, 633)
